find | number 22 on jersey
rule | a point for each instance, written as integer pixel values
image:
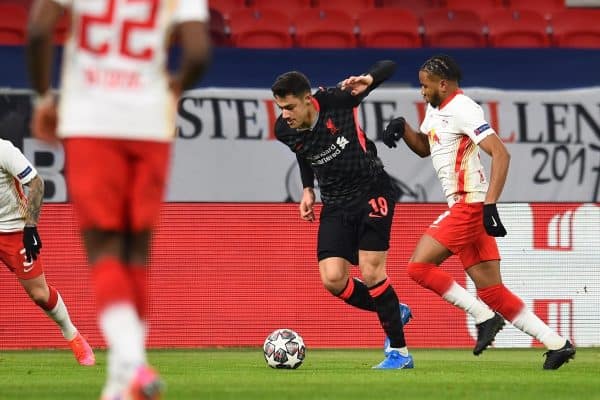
(143, 19)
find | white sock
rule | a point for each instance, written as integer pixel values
(60, 315)
(124, 335)
(529, 323)
(401, 350)
(459, 296)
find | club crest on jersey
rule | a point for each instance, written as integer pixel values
(482, 128)
(331, 126)
(342, 142)
(433, 138)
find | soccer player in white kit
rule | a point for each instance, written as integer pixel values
(117, 121)
(452, 132)
(20, 243)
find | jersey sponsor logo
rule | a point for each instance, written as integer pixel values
(25, 172)
(331, 126)
(482, 129)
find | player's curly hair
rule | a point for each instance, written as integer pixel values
(293, 82)
(443, 66)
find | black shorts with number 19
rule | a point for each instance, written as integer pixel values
(343, 231)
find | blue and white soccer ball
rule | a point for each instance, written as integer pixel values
(284, 349)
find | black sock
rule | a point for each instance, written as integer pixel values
(388, 311)
(357, 294)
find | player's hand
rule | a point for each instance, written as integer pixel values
(306, 205)
(394, 132)
(491, 221)
(356, 84)
(44, 119)
(31, 242)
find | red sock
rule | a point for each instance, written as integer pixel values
(138, 276)
(111, 283)
(430, 276)
(52, 300)
(500, 299)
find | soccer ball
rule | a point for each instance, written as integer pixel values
(285, 349)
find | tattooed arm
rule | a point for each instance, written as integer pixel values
(35, 197)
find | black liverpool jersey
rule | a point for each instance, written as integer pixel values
(336, 150)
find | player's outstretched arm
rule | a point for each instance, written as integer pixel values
(361, 85)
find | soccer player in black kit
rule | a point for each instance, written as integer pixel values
(358, 196)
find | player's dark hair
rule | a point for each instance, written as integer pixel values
(293, 82)
(443, 66)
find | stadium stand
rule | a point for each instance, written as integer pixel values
(576, 28)
(453, 28)
(218, 29)
(352, 7)
(291, 7)
(324, 28)
(13, 22)
(225, 7)
(512, 28)
(481, 7)
(418, 7)
(379, 28)
(264, 28)
(546, 7)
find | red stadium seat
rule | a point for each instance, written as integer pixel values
(481, 7)
(351, 7)
(524, 28)
(13, 24)
(218, 29)
(379, 27)
(577, 28)
(225, 7)
(545, 7)
(453, 28)
(417, 7)
(266, 28)
(290, 7)
(63, 28)
(324, 28)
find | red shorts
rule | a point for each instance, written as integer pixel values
(460, 229)
(12, 255)
(116, 184)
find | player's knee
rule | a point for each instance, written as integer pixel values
(334, 283)
(39, 296)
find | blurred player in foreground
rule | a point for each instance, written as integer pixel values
(452, 132)
(20, 243)
(117, 120)
(358, 196)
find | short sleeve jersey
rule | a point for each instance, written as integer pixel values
(454, 130)
(343, 159)
(15, 171)
(114, 78)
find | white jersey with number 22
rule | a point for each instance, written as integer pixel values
(114, 78)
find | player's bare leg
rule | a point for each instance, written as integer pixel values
(490, 288)
(50, 300)
(424, 269)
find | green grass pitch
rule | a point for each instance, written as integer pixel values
(242, 374)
